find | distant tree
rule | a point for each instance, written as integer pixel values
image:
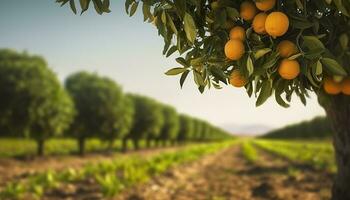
(148, 120)
(32, 102)
(99, 105)
(170, 127)
(127, 119)
(186, 128)
(316, 128)
(198, 129)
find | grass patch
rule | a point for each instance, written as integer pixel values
(249, 152)
(319, 155)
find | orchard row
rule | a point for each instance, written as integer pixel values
(35, 105)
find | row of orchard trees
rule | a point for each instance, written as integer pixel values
(317, 128)
(33, 104)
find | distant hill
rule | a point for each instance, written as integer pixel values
(247, 130)
(316, 128)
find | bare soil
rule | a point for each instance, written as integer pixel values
(224, 175)
(228, 175)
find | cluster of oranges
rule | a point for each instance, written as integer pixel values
(275, 24)
(333, 87)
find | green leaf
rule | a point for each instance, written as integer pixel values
(146, 10)
(333, 66)
(171, 51)
(271, 61)
(72, 6)
(183, 78)
(293, 57)
(344, 41)
(312, 42)
(341, 7)
(190, 28)
(127, 5)
(133, 8)
(198, 79)
(171, 24)
(318, 70)
(175, 71)
(261, 52)
(84, 4)
(163, 17)
(250, 66)
(219, 74)
(265, 93)
(281, 101)
(182, 61)
(232, 13)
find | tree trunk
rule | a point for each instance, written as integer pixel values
(124, 144)
(110, 146)
(136, 144)
(81, 145)
(164, 143)
(40, 147)
(338, 112)
(148, 143)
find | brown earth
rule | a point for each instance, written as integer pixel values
(228, 175)
(225, 175)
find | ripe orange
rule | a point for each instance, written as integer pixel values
(331, 87)
(248, 10)
(236, 79)
(287, 48)
(259, 23)
(265, 5)
(234, 49)
(345, 86)
(237, 33)
(289, 69)
(277, 24)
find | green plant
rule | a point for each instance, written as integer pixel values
(249, 152)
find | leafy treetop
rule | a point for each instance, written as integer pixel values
(199, 30)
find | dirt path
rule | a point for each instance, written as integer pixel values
(13, 169)
(227, 175)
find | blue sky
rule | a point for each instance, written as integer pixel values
(129, 51)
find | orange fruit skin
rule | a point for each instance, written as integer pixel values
(248, 10)
(237, 33)
(331, 87)
(277, 24)
(259, 23)
(345, 86)
(287, 48)
(234, 49)
(265, 5)
(289, 69)
(236, 79)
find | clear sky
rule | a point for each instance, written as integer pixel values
(129, 51)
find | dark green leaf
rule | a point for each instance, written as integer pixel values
(190, 28)
(265, 93)
(175, 71)
(183, 78)
(333, 66)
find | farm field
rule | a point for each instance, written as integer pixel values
(236, 169)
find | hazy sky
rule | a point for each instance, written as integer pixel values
(129, 51)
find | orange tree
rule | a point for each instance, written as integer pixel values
(269, 47)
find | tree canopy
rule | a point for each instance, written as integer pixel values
(33, 103)
(199, 30)
(99, 106)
